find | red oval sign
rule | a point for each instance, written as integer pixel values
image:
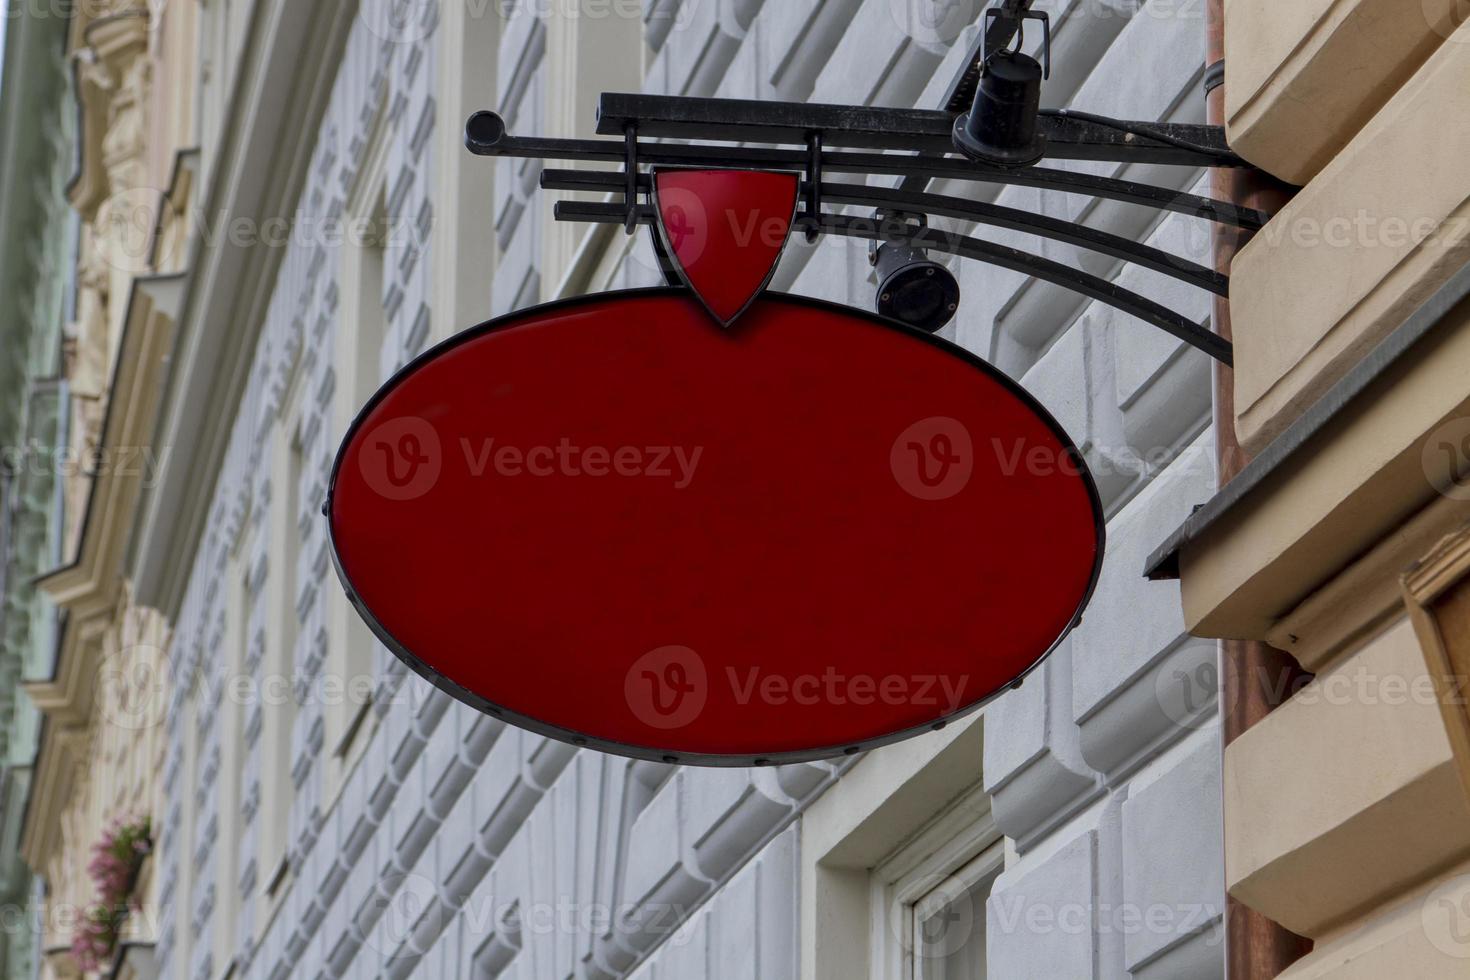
(612, 522)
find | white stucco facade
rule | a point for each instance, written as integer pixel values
(312, 830)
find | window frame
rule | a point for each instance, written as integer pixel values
(348, 724)
(899, 813)
(983, 869)
(960, 846)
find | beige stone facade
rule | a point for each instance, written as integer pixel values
(1347, 818)
(102, 742)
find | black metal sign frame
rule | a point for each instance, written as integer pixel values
(822, 141)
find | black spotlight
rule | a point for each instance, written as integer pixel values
(1000, 127)
(914, 290)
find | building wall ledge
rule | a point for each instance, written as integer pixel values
(1420, 936)
(1379, 230)
(1373, 805)
(1306, 76)
(1362, 470)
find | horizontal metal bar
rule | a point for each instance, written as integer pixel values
(1025, 263)
(928, 166)
(879, 127)
(1013, 219)
(591, 181)
(759, 121)
(598, 213)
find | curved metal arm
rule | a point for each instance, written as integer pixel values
(1094, 287)
(994, 215)
(1005, 257)
(1029, 222)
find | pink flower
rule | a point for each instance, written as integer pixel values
(116, 858)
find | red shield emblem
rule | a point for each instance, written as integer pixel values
(725, 231)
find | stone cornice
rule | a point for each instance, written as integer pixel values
(177, 216)
(66, 698)
(90, 589)
(286, 70)
(91, 583)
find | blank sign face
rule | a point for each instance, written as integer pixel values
(613, 522)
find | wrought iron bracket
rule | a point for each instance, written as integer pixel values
(820, 141)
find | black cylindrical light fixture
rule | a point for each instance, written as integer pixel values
(913, 289)
(1000, 127)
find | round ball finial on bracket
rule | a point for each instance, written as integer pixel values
(484, 129)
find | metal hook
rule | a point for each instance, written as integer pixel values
(630, 169)
(1018, 42)
(1045, 19)
(814, 186)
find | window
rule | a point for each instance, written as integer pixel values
(281, 625)
(228, 719)
(933, 891)
(369, 321)
(947, 924)
(462, 248)
(368, 248)
(364, 361)
(897, 862)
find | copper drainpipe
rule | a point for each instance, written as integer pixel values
(1255, 947)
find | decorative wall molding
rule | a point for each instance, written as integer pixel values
(1437, 593)
(292, 53)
